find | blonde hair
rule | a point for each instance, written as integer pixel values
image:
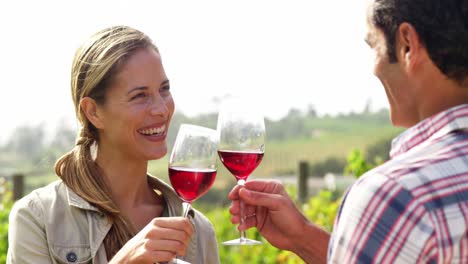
(95, 64)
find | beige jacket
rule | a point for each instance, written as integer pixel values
(55, 225)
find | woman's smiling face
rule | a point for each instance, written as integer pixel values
(138, 109)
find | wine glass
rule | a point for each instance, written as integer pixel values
(192, 164)
(241, 147)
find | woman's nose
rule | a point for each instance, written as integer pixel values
(158, 106)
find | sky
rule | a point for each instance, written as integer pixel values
(284, 53)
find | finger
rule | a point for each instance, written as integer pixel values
(234, 208)
(165, 245)
(265, 186)
(268, 200)
(160, 256)
(233, 194)
(161, 233)
(250, 221)
(234, 211)
(235, 219)
(249, 210)
(177, 223)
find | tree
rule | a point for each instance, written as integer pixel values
(27, 141)
(64, 137)
(367, 107)
(311, 111)
(379, 151)
(357, 164)
(294, 113)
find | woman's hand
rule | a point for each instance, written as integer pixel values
(161, 240)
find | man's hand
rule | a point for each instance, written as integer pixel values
(269, 209)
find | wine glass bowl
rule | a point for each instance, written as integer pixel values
(189, 183)
(240, 164)
(193, 163)
(241, 129)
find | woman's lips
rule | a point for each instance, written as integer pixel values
(154, 133)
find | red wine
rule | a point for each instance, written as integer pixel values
(239, 163)
(191, 183)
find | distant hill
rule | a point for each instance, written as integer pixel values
(324, 141)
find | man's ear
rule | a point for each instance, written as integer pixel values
(408, 46)
(90, 109)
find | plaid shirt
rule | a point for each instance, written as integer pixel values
(413, 208)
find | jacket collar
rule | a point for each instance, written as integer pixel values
(76, 201)
(172, 200)
(102, 226)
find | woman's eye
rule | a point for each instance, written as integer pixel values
(139, 95)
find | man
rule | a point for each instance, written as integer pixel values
(413, 208)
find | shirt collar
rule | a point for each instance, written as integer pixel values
(433, 127)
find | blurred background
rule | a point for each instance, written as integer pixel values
(305, 62)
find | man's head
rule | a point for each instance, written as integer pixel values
(442, 27)
(421, 55)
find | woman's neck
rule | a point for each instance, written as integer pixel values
(126, 179)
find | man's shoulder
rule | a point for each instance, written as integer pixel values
(415, 178)
(431, 162)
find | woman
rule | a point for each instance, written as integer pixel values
(105, 208)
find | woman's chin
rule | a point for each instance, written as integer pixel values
(156, 155)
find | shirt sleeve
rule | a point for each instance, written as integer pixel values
(26, 233)
(380, 222)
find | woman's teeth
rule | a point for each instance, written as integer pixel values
(152, 131)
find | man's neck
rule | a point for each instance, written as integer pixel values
(441, 94)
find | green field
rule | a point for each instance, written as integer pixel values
(289, 141)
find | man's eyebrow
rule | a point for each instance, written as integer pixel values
(165, 82)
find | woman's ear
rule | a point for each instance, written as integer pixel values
(89, 108)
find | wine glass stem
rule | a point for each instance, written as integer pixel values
(242, 233)
(186, 208)
(242, 206)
